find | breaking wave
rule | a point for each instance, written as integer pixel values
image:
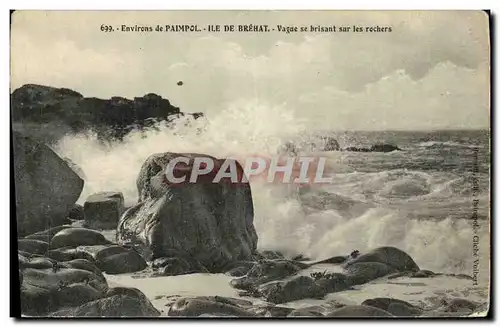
(425, 214)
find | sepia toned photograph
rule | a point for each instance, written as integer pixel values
(250, 164)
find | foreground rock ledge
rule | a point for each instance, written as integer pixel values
(210, 223)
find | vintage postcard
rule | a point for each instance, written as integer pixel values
(250, 164)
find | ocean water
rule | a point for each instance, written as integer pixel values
(423, 200)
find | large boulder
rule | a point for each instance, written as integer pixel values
(46, 188)
(103, 210)
(209, 222)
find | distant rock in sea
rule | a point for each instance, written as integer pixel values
(110, 119)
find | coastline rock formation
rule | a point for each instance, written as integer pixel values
(110, 119)
(209, 225)
(46, 188)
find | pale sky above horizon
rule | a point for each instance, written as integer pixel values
(431, 72)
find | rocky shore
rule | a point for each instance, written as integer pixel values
(73, 259)
(178, 230)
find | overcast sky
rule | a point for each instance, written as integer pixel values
(430, 72)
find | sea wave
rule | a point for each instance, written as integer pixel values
(358, 210)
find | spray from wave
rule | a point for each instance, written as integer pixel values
(321, 222)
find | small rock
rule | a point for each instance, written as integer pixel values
(359, 311)
(76, 213)
(396, 307)
(187, 307)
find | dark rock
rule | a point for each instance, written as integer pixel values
(209, 222)
(238, 271)
(117, 306)
(45, 186)
(134, 293)
(28, 255)
(307, 312)
(301, 287)
(423, 274)
(230, 300)
(331, 144)
(265, 271)
(32, 246)
(22, 259)
(359, 311)
(270, 310)
(270, 255)
(110, 119)
(103, 210)
(355, 149)
(274, 269)
(47, 234)
(374, 148)
(395, 307)
(334, 260)
(77, 294)
(48, 290)
(194, 307)
(65, 254)
(40, 263)
(391, 256)
(363, 272)
(115, 259)
(333, 282)
(459, 305)
(384, 148)
(73, 237)
(175, 266)
(300, 257)
(76, 213)
(84, 264)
